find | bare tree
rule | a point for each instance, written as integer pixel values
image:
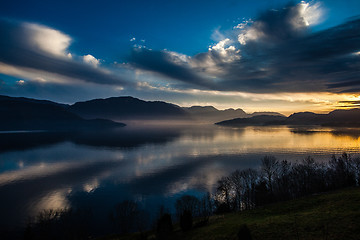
(342, 171)
(236, 180)
(127, 217)
(224, 192)
(269, 167)
(187, 203)
(206, 206)
(249, 178)
(283, 180)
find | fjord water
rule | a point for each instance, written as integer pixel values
(151, 165)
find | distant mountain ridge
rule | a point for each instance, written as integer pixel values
(20, 114)
(31, 114)
(341, 117)
(130, 108)
(213, 114)
(124, 108)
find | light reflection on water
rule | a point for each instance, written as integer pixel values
(46, 170)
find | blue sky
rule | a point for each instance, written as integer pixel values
(221, 53)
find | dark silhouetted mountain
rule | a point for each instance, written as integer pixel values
(339, 117)
(306, 118)
(209, 113)
(30, 114)
(265, 113)
(261, 120)
(126, 108)
(343, 118)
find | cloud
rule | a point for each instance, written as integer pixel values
(349, 104)
(90, 59)
(275, 52)
(167, 64)
(28, 48)
(45, 39)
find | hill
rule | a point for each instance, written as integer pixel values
(29, 114)
(124, 108)
(347, 118)
(210, 113)
(19, 114)
(261, 120)
(334, 215)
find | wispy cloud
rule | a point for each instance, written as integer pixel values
(349, 104)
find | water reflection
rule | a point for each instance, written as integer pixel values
(118, 138)
(153, 165)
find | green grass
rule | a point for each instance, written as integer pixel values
(334, 215)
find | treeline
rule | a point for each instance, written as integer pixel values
(282, 180)
(126, 217)
(245, 189)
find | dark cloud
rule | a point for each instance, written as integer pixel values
(18, 49)
(161, 62)
(276, 52)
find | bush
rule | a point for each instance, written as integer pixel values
(164, 227)
(186, 220)
(244, 233)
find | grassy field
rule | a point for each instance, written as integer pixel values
(334, 215)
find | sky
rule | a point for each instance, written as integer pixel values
(271, 55)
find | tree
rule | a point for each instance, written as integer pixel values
(223, 193)
(356, 168)
(164, 226)
(283, 180)
(342, 171)
(206, 207)
(187, 203)
(127, 216)
(236, 179)
(186, 220)
(250, 179)
(269, 167)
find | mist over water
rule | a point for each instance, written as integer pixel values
(152, 165)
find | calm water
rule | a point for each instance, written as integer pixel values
(150, 165)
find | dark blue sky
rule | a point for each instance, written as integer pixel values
(175, 54)
(104, 28)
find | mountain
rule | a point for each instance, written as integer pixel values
(265, 113)
(343, 118)
(340, 117)
(209, 113)
(261, 120)
(31, 114)
(126, 108)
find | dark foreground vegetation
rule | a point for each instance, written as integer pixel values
(247, 204)
(325, 216)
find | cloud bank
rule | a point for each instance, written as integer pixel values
(275, 52)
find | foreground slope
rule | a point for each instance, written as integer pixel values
(334, 215)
